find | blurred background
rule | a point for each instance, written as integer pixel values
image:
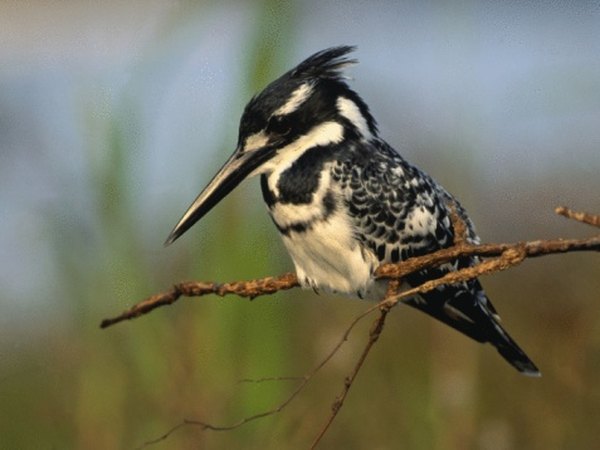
(113, 116)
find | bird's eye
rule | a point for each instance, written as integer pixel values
(280, 125)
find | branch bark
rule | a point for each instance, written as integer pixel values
(249, 289)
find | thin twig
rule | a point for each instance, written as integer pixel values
(374, 334)
(266, 379)
(590, 219)
(305, 380)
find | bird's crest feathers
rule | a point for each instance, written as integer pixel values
(327, 63)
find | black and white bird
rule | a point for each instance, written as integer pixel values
(345, 201)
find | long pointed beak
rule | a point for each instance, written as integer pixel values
(234, 171)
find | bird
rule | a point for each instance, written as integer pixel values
(345, 201)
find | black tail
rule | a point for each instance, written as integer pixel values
(511, 352)
(466, 308)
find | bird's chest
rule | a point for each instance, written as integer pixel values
(318, 233)
(299, 201)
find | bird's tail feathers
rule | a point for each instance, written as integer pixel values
(512, 353)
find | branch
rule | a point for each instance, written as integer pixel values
(249, 289)
(269, 285)
(583, 217)
(531, 249)
(374, 334)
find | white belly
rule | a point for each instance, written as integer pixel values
(328, 257)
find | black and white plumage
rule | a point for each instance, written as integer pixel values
(345, 201)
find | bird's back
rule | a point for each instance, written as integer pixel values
(398, 212)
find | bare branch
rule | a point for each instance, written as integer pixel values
(459, 225)
(590, 219)
(266, 379)
(511, 257)
(270, 285)
(249, 289)
(531, 248)
(374, 334)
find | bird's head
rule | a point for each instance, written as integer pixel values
(310, 105)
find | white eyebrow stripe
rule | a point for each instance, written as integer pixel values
(299, 96)
(348, 109)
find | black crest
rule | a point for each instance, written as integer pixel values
(327, 63)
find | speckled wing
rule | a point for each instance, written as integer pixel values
(399, 212)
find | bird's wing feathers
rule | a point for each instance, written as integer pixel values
(398, 212)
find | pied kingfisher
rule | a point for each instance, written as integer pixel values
(345, 201)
